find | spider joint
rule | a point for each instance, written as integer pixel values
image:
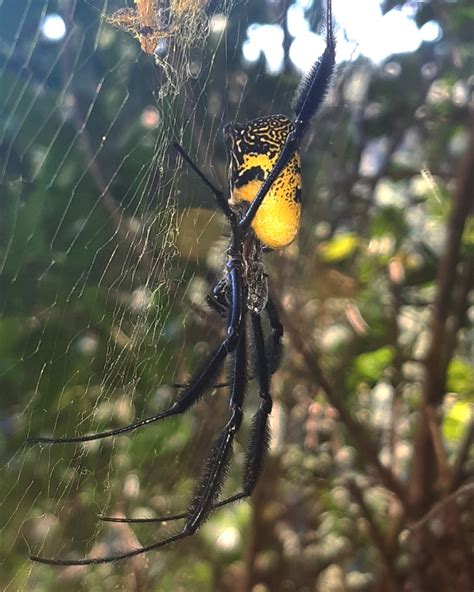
(232, 339)
(236, 418)
(235, 262)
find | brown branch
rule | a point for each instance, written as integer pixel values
(438, 357)
(395, 278)
(461, 457)
(447, 274)
(438, 446)
(460, 305)
(467, 489)
(376, 535)
(357, 432)
(261, 536)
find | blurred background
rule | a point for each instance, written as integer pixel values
(108, 246)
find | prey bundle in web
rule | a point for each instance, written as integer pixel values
(168, 30)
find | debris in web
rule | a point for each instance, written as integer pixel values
(166, 30)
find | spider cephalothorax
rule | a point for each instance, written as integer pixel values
(263, 212)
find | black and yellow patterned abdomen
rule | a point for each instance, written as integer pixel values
(254, 148)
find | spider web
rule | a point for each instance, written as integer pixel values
(96, 280)
(107, 249)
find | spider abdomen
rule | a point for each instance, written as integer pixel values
(277, 221)
(254, 149)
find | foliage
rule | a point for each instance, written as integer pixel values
(107, 249)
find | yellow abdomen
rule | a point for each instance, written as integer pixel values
(254, 149)
(277, 221)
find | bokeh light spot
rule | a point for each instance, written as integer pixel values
(53, 27)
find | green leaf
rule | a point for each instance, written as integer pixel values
(456, 420)
(390, 221)
(370, 366)
(460, 379)
(468, 237)
(339, 248)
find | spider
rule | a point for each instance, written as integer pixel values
(263, 213)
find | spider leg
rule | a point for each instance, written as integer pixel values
(214, 472)
(314, 86)
(212, 477)
(308, 99)
(217, 298)
(273, 345)
(191, 394)
(273, 348)
(257, 446)
(259, 439)
(220, 198)
(203, 379)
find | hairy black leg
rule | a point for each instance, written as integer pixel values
(187, 398)
(273, 348)
(207, 490)
(259, 438)
(213, 475)
(199, 383)
(308, 99)
(220, 198)
(257, 446)
(273, 344)
(217, 298)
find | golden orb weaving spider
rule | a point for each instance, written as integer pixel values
(263, 212)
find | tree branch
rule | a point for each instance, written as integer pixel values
(376, 535)
(357, 432)
(438, 357)
(455, 477)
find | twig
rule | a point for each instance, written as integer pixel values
(460, 305)
(440, 452)
(356, 430)
(375, 533)
(462, 455)
(438, 357)
(465, 489)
